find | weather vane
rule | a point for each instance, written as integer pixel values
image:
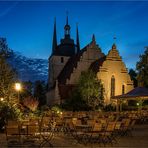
(114, 39)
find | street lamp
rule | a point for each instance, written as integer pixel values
(1, 99)
(18, 88)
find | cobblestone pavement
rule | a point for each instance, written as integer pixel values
(138, 140)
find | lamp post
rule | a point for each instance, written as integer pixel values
(18, 88)
(1, 99)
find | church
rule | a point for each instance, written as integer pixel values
(67, 61)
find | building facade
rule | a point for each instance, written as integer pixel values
(67, 62)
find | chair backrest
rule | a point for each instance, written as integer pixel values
(126, 122)
(103, 121)
(59, 121)
(34, 122)
(132, 123)
(74, 120)
(117, 125)
(78, 122)
(71, 126)
(45, 121)
(12, 127)
(110, 127)
(97, 127)
(53, 125)
(12, 130)
(12, 123)
(33, 129)
(91, 122)
(68, 121)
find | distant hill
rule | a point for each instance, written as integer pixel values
(29, 68)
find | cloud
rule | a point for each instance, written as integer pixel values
(8, 9)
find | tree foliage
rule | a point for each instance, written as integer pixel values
(91, 89)
(40, 91)
(9, 107)
(133, 76)
(7, 74)
(5, 51)
(27, 89)
(142, 68)
(31, 103)
(75, 102)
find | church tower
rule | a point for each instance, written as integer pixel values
(61, 53)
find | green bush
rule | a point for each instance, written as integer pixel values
(109, 107)
(9, 112)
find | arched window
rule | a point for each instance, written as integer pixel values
(112, 86)
(123, 89)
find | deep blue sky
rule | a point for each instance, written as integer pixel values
(28, 26)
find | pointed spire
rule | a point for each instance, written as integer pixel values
(77, 39)
(67, 27)
(67, 18)
(93, 38)
(114, 44)
(54, 43)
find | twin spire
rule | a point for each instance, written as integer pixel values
(54, 43)
(77, 39)
(67, 35)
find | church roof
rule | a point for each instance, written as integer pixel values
(65, 49)
(96, 65)
(113, 54)
(73, 61)
(70, 65)
(138, 92)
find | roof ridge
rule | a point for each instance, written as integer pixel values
(67, 70)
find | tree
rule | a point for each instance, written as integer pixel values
(39, 92)
(31, 103)
(27, 89)
(75, 102)
(9, 107)
(133, 76)
(7, 74)
(91, 89)
(142, 68)
(4, 50)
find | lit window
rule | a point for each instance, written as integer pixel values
(112, 86)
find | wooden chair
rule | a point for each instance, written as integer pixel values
(33, 133)
(47, 136)
(93, 136)
(12, 130)
(124, 126)
(107, 135)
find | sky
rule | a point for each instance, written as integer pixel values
(28, 25)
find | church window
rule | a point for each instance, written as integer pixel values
(62, 60)
(112, 86)
(123, 89)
